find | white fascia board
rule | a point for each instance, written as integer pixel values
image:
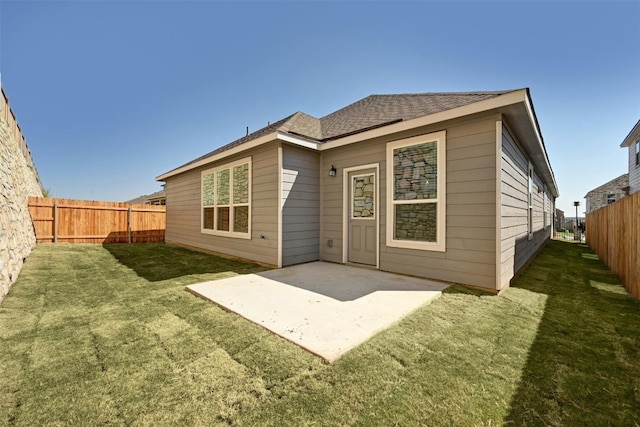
(632, 137)
(540, 144)
(476, 107)
(230, 152)
(303, 142)
(240, 148)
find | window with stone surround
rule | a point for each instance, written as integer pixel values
(226, 199)
(416, 190)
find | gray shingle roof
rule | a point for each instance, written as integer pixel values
(255, 135)
(146, 197)
(378, 109)
(370, 112)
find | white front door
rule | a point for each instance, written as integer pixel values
(362, 217)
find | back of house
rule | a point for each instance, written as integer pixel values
(455, 187)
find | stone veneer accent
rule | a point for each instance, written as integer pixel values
(18, 181)
(363, 203)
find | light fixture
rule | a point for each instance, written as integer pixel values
(333, 171)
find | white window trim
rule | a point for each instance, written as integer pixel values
(214, 171)
(530, 202)
(440, 243)
(637, 153)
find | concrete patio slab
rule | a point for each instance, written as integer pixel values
(325, 308)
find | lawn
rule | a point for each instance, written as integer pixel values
(107, 335)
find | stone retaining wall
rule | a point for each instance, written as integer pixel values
(18, 181)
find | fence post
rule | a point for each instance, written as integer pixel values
(129, 223)
(55, 222)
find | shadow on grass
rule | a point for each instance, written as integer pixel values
(582, 368)
(157, 261)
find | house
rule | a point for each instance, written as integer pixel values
(454, 187)
(157, 198)
(607, 193)
(632, 142)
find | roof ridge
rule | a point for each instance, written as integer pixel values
(299, 124)
(475, 92)
(297, 115)
(287, 122)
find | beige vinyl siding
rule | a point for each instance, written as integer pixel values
(469, 257)
(183, 216)
(516, 246)
(300, 205)
(634, 171)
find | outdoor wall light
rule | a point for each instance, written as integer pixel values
(333, 171)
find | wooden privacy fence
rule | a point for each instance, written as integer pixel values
(613, 232)
(83, 221)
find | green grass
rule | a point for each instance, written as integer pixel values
(568, 235)
(107, 335)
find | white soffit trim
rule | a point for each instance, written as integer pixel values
(239, 148)
(534, 122)
(632, 136)
(510, 98)
(534, 125)
(303, 142)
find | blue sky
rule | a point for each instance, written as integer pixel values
(112, 94)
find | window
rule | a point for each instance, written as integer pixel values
(545, 219)
(226, 201)
(416, 192)
(611, 198)
(638, 152)
(530, 204)
(363, 191)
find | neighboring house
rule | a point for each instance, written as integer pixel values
(454, 187)
(632, 141)
(559, 219)
(608, 193)
(157, 198)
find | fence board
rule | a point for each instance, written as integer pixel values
(613, 232)
(83, 221)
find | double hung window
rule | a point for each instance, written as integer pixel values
(416, 192)
(226, 199)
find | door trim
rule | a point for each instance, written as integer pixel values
(345, 209)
